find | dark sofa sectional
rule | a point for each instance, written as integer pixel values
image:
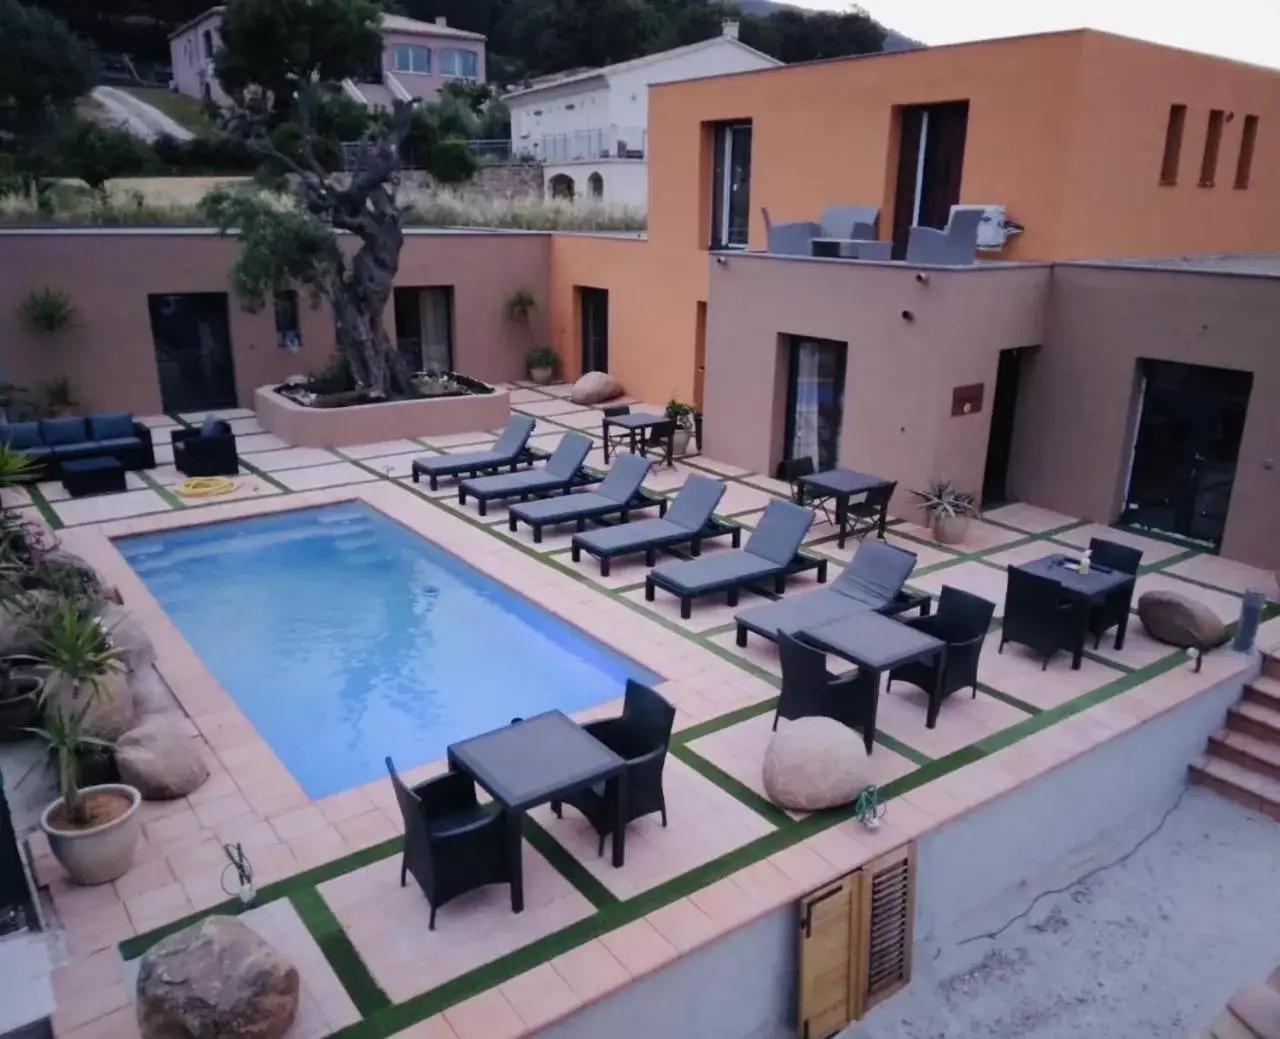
(51, 441)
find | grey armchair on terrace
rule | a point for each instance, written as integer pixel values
(810, 690)
(507, 452)
(956, 245)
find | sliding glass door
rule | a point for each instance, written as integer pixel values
(815, 401)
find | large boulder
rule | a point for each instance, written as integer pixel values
(128, 637)
(107, 702)
(213, 980)
(814, 763)
(160, 759)
(595, 388)
(1177, 620)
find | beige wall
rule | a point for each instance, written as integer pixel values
(1077, 403)
(900, 374)
(109, 354)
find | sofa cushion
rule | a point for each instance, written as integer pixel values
(58, 431)
(23, 435)
(213, 426)
(116, 443)
(39, 451)
(110, 425)
(86, 447)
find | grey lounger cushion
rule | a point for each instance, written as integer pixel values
(561, 467)
(688, 514)
(506, 449)
(618, 488)
(771, 547)
(876, 574)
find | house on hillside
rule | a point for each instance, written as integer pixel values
(589, 127)
(418, 59)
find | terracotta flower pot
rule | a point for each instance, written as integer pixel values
(950, 530)
(541, 376)
(98, 854)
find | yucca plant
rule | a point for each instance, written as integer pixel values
(67, 740)
(75, 644)
(47, 311)
(15, 467)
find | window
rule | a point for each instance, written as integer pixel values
(595, 186)
(406, 57)
(288, 332)
(206, 38)
(815, 400)
(1212, 145)
(1244, 165)
(1173, 144)
(462, 64)
(731, 186)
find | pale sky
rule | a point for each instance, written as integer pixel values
(1247, 30)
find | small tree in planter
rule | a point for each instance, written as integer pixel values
(947, 510)
(87, 675)
(93, 830)
(541, 361)
(683, 414)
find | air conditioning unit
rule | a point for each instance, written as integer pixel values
(995, 229)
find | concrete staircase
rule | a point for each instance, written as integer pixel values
(1252, 1013)
(1243, 759)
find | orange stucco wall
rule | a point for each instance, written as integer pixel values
(1066, 130)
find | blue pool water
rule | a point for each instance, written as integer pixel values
(345, 637)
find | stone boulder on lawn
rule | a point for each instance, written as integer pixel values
(213, 980)
(160, 759)
(814, 763)
(595, 388)
(1177, 620)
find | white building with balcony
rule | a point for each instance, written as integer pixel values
(589, 127)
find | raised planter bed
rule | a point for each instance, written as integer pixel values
(385, 420)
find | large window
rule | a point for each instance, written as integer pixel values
(731, 186)
(405, 57)
(815, 400)
(462, 64)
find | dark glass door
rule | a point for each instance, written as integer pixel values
(193, 351)
(731, 186)
(594, 319)
(1190, 421)
(1004, 407)
(407, 304)
(815, 401)
(930, 167)
(424, 327)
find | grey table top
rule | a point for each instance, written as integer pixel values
(842, 481)
(872, 640)
(636, 420)
(1097, 582)
(526, 764)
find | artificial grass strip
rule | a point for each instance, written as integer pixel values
(47, 512)
(1012, 701)
(262, 474)
(901, 749)
(170, 499)
(763, 807)
(564, 863)
(723, 721)
(351, 971)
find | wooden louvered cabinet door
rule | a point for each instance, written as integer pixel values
(855, 943)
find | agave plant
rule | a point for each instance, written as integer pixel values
(942, 499)
(67, 741)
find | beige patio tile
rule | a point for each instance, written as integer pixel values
(684, 925)
(549, 406)
(760, 652)
(158, 906)
(739, 750)
(590, 970)
(294, 458)
(586, 420)
(977, 578)
(317, 848)
(381, 448)
(1153, 551)
(87, 990)
(95, 929)
(1030, 518)
(432, 1028)
(1017, 672)
(488, 1015)
(779, 488)
(540, 996)
(469, 448)
(368, 829)
(1140, 649)
(726, 904)
(981, 536)
(709, 611)
(14, 497)
(738, 498)
(445, 440)
(765, 884)
(639, 947)
(158, 421)
(1227, 574)
(495, 511)
(144, 876)
(387, 923)
(716, 467)
(245, 426)
(260, 442)
(563, 389)
(1223, 604)
(119, 1024)
(555, 538)
(397, 467)
(335, 474)
(964, 719)
(802, 865)
(926, 555)
(704, 823)
(527, 396)
(196, 417)
(99, 508)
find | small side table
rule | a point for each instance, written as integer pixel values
(82, 476)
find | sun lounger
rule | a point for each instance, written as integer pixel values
(618, 495)
(771, 553)
(688, 521)
(508, 451)
(872, 581)
(561, 474)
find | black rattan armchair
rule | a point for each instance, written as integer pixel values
(810, 690)
(640, 737)
(865, 516)
(207, 451)
(1035, 616)
(961, 622)
(1126, 560)
(452, 845)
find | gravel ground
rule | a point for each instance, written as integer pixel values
(1149, 949)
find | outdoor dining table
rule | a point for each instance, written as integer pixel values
(842, 485)
(1085, 591)
(878, 644)
(536, 760)
(637, 424)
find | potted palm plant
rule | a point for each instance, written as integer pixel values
(541, 361)
(947, 510)
(683, 414)
(86, 670)
(92, 830)
(59, 400)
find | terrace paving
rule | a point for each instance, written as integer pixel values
(327, 870)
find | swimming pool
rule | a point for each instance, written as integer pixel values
(344, 637)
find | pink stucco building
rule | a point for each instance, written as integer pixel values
(418, 58)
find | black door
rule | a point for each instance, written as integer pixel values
(930, 167)
(815, 401)
(1190, 423)
(594, 318)
(407, 304)
(193, 351)
(1004, 406)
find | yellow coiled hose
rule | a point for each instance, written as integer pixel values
(205, 486)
